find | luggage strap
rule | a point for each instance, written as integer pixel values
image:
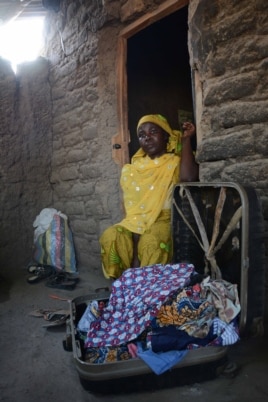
(210, 249)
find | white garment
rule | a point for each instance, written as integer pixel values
(43, 220)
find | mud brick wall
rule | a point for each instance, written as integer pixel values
(84, 178)
(25, 162)
(228, 45)
(59, 114)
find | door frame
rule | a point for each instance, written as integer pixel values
(121, 140)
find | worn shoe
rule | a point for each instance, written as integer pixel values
(62, 280)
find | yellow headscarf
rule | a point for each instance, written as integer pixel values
(174, 142)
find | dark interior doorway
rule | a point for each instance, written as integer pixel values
(158, 72)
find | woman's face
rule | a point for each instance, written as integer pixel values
(152, 139)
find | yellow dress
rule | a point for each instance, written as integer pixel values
(147, 186)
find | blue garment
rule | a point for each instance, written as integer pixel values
(160, 362)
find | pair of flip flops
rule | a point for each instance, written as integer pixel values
(54, 278)
(54, 317)
(39, 272)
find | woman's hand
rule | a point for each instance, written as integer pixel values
(189, 169)
(188, 129)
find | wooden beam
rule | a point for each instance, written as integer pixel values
(120, 141)
(165, 9)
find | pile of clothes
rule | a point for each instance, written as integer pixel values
(158, 313)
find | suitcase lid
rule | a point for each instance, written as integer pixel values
(210, 230)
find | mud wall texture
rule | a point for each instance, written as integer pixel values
(228, 45)
(59, 114)
(81, 51)
(25, 162)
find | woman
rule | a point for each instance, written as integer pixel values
(143, 237)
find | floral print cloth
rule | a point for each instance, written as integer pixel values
(135, 299)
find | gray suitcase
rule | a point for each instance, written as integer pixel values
(201, 212)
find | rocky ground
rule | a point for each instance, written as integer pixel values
(35, 367)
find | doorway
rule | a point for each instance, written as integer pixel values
(153, 73)
(158, 72)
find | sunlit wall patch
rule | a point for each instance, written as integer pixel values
(22, 40)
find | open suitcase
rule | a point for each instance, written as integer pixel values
(215, 226)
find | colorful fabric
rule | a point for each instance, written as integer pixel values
(168, 338)
(55, 247)
(189, 312)
(107, 354)
(227, 334)
(155, 244)
(224, 334)
(201, 315)
(224, 296)
(163, 339)
(91, 313)
(135, 299)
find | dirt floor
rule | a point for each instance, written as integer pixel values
(35, 366)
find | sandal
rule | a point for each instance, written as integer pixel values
(62, 281)
(32, 268)
(57, 321)
(48, 314)
(55, 317)
(41, 313)
(40, 272)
